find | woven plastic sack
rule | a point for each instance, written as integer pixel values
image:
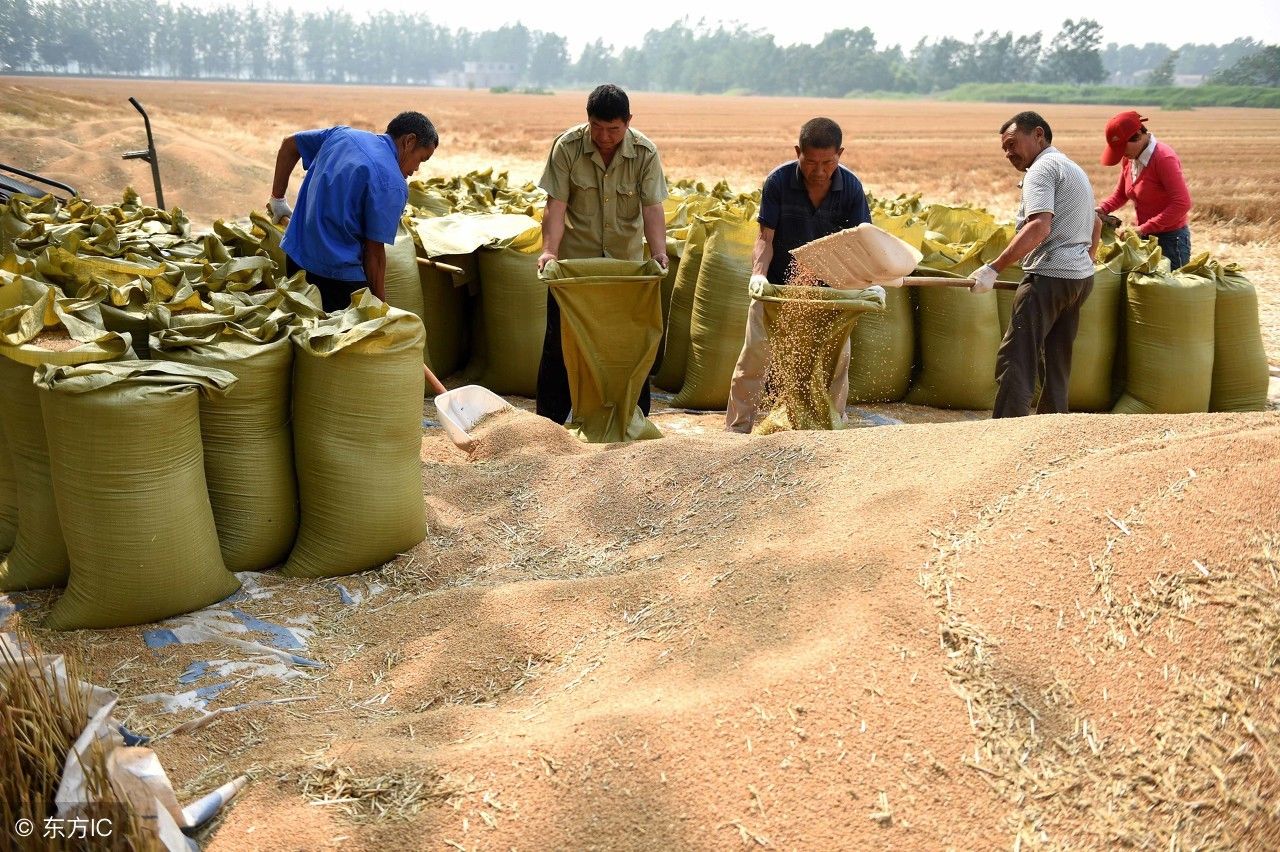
(610, 326)
(445, 308)
(248, 440)
(1093, 354)
(720, 306)
(674, 248)
(513, 313)
(882, 350)
(1240, 375)
(959, 334)
(807, 329)
(357, 434)
(1170, 330)
(679, 315)
(8, 498)
(128, 473)
(401, 283)
(49, 329)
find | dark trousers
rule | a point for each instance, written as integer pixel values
(334, 293)
(1176, 246)
(554, 401)
(1046, 315)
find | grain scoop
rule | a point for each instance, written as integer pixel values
(462, 408)
(856, 258)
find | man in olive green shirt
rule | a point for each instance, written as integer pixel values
(605, 190)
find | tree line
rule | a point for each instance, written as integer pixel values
(161, 39)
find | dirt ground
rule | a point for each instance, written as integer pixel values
(928, 631)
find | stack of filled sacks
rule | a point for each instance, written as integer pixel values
(1148, 339)
(252, 390)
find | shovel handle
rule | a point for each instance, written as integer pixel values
(953, 282)
(435, 383)
(443, 267)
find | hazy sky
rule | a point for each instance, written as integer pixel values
(901, 23)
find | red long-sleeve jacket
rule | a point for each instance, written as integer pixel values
(1160, 197)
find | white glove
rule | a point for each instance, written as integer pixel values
(984, 279)
(875, 291)
(279, 210)
(758, 279)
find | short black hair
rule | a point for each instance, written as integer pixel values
(608, 103)
(417, 124)
(1027, 121)
(820, 134)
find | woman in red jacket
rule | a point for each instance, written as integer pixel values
(1151, 177)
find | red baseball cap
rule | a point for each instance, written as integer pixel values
(1119, 129)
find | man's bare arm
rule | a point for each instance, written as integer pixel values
(375, 267)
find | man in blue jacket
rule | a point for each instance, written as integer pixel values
(350, 203)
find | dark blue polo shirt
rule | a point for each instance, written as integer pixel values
(785, 207)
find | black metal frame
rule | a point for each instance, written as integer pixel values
(149, 155)
(9, 187)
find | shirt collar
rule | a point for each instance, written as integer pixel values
(627, 148)
(797, 180)
(1145, 157)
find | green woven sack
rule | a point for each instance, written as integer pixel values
(357, 435)
(679, 315)
(49, 329)
(807, 328)
(1169, 344)
(248, 440)
(1093, 354)
(8, 498)
(720, 304)
(1240, 375)
(445, 302)
(959, 334)
(882, 350)
(128, 473)
(513, 312)
(610, 325)
(674, 248)
(401, 283)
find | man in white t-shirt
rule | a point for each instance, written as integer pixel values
(1057, 235)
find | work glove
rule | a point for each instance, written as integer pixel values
(875, 291)
(758, 279)
(279, 210)
(984, 279)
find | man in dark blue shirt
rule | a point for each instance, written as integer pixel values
(351, 201)
(811, 197)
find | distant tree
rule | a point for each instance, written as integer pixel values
(1259, 69)
(594, 64)
(1074, 56)
(1162, 74)
(550, 60)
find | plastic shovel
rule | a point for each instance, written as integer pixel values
(856, 258)
(462, 408)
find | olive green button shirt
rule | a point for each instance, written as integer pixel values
(603, 217)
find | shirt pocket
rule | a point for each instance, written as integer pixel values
(584, 191)
(628, 205)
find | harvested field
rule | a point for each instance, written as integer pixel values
(217, 144)
(936, 631)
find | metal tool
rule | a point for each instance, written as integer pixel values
(149, 155)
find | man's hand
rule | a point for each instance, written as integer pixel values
(984, 279)
(279, 211)
(545, 258)
(662, 260)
